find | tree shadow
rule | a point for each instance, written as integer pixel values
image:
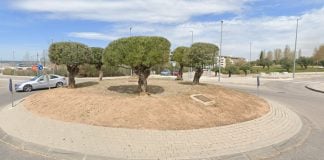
(191, 83)
(133, 89)
(86, 84)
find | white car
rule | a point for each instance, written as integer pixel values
(40, 82)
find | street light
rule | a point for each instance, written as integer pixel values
(250, 51)
(294, 70)
(220, 52)
(130, 31)
(192, 34)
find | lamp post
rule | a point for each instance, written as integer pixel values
(220, 52)
(294, 69)
(192, 34)
(250, 51)
(130, 31)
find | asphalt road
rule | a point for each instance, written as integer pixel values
(306, 103)
(292, 93)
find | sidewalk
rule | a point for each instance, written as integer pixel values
(59, 139)
(317, 87)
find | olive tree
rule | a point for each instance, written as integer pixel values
(138, 53)
(96, 59)
(71, 54)
(201, 54)
(180, 55)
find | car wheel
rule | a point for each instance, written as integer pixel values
(59, 84)
(28, 88)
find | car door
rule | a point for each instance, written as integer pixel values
(41, 83)
(53, 80)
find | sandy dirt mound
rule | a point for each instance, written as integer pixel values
(115, 103)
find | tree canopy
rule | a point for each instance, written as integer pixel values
(72, 54)
(139, 53)
(202, 54)
(181, 55)
(96, 54)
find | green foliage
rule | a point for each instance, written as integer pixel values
(304, 62)
(202, 54)
(137, 51)
(267, 63)
(245, 67)
(286, 63)
(322, 63)
(96, 56)
(181, 55)
(69, 53)
(232, 69)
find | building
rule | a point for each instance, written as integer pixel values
(228, 59)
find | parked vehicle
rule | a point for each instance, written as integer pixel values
(175, 73)
(166, 72)
(40, 82)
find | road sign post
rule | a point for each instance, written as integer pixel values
(258, 84)
(11, 91)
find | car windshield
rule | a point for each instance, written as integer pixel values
(33, 79)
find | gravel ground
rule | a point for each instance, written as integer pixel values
(115, 103)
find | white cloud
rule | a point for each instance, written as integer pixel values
(171, 19)
(92, 36)
(130, 10)
(266, 33)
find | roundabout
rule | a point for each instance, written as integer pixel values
(83, 141)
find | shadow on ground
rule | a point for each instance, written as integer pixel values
(190, 83)
(86, 84)
(133, 89)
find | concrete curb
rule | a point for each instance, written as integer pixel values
(313, 89)
(261, 153)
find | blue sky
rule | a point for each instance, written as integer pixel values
(29, 26)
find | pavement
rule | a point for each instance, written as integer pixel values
(59, 139)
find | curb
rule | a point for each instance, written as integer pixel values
(316, 90)
(262, 153)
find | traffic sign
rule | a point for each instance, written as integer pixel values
(34, 67)
(40, 67)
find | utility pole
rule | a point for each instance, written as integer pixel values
(220, 53)
(294, 69)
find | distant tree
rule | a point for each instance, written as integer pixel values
(304, 62)
(269, 56)
(319, 53)
(201, 54)
(277, 55)
(322, 63)
(288, 53)
(245, 68)
(181, 55)
(268, 63)
(139, 53)
(261, 61)
(286, 63)
(231, 69)
(96, 59)
(71, 54)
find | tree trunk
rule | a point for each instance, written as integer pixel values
(229, 74)
(198, 73)
(179, 77)
(143, 73)
(98, 67)
(73, 71)
(245, 72)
